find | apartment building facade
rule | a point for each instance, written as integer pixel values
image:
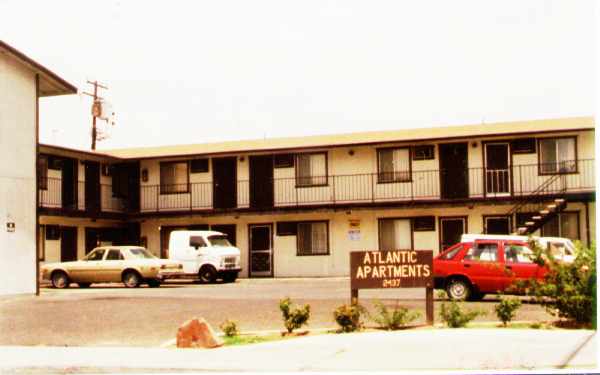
(298, 206)
(22, 83)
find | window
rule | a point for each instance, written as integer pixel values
(311, 169)
(452, 252)
(97, 254)
(565, 224)
(423, 152)
(197, 241)
(497, 224)
(523, 146)
(42, 172)
(283, 161)
(393, 165)
(482, 252)
(313, 238)
(395, 234)
(557, 155)
(174, 177)
(287, 228)
(514, 253)
(199, 166)
(114, 254)
(424, 223)
(52, 232)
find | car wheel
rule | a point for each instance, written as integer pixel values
(60, 280)
(131, 279)
(84, 285)
(458, 289)
(207, 274)
(153, 283)
(230, 277)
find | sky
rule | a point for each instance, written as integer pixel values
(182, 72)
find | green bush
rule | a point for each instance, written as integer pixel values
(348, 317)
(568, 289)
(453, 314)
(506, 309)
(398, 318)
(229, 328)
(293, 318)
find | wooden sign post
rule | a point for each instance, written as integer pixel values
(393, 269)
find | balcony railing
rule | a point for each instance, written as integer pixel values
(51, 196)
(420, 185)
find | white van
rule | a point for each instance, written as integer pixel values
(205, 255)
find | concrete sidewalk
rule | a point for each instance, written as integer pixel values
(425, 349)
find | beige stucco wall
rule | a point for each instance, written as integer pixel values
(17, 178)
(350, 177)
(287, 264)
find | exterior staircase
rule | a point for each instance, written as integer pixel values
(537, 208)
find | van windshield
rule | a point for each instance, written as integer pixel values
(219, 241)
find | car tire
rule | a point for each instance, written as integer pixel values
(131, 279)
(153, 283)
(60, 280)
(458, 289)
(230, 277)
(207, 274)
(84, 285)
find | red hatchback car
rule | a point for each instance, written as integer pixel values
(469, 270)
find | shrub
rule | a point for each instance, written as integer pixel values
(293, 318)
(506, 309)
(348, 317)
(398, 318)
(453, 314)
(568, 289)
(229, 328)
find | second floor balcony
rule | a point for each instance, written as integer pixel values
(55, 194)
(468, 184)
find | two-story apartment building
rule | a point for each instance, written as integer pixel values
(298, 206)
(23, 82)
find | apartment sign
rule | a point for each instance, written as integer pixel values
(391, 269)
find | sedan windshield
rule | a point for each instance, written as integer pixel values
(140, 252)
(219, 241)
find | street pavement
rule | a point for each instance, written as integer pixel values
(431, 350)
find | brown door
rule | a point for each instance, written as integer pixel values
(224, 182)
(497, 169)
(261, 181)
(451, 229)
(69, 183)
(228, 229)
(68, 244)
(92, 239)
(92, 187)
(454, 172)
(261, 250)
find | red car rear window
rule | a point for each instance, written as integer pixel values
(451, 252)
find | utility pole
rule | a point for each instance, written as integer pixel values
(95, 109)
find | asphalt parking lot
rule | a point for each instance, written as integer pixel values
(111, 315)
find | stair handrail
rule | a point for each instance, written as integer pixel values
(526, 199)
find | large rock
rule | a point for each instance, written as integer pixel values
(197, 333)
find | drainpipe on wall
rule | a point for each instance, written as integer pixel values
(37, 195)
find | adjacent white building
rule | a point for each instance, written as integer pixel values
(22, 82)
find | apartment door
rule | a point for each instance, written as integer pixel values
(92, 187)
(68, 244)
(261, 181)
(454, 171)
(69, 183)
(261, 250)
(497, 169)
(228, 229)
(224, 182)
(451, 229)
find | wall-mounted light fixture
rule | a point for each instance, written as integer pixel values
(144, 175)
(474, 144)
(351, 152)
(241, 159)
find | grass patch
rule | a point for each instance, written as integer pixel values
(255, 339)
